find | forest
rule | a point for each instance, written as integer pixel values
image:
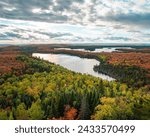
(133, 76)
(130, 68)
(40, 90)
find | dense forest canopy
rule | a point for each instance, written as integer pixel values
(43, 90)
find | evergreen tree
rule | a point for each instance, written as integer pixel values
(84, 113)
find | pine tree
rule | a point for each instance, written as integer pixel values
(84, 113)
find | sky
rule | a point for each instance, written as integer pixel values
(74, 21)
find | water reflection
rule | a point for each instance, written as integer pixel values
(74, 63)
(110, 49)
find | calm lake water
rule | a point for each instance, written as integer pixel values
(110, 49)
(74, 63)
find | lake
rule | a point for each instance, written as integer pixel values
(74, 63)
(99, 50)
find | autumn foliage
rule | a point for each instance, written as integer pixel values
(138, 59)
(70, 113)
(8, 63)
(34, 89)
(132, 59)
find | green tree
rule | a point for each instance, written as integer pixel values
(21, 112)
(3, 115)
(113, 109)
(105, 110)
(36, 112)
(11, 116)
(84, 113)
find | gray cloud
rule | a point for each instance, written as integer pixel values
(22, 9)
(54, 35)
(12, 35)
(140, 19)
(107, 18)
(25, 34)
(3, 26)
(9, 36)
(26, 5)
(118, 38)
(4, 37)
(62, 5)
(118, 27)
(134, 31)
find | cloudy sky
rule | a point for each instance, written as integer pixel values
(70, 21)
